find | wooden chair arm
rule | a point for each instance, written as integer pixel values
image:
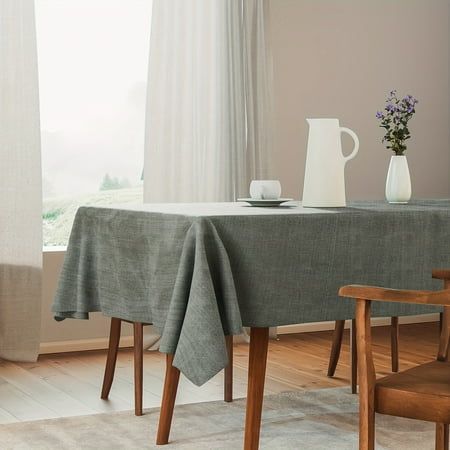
(438, 298)
(441, 274)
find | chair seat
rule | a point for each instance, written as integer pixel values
(422, 392)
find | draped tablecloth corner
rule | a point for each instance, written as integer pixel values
(203, 307)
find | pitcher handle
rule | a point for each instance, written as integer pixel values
(355, 138)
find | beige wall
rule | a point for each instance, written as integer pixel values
(339, 58)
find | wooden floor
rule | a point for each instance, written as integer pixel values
(69, 384)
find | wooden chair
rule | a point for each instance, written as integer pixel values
(337, 343)
(114, 340)
(422, 392)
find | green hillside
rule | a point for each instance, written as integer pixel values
(58, 213)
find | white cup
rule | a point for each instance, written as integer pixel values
(265, 189)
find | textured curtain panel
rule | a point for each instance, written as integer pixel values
(20, 184)
(209, 106)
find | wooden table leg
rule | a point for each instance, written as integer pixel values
(336, 346)
(228, 376)
(114, 339)
(168, 401)
(354, 357)
(259, 340)
(138, 329)
(394, 343)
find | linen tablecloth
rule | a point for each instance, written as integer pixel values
(199, 271)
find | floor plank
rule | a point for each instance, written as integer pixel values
(18, 406)
(56, 400)
(86, 393)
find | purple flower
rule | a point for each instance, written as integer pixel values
(394, 119)
(392, 96)
(391, 108)
(410, 100)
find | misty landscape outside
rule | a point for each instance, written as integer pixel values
(93, 57)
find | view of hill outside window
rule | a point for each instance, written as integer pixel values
(93, 57)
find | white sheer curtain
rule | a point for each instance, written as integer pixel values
(20, 184)
(209, 105)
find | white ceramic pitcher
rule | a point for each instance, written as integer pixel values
(324, 184)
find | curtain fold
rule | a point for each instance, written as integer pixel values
(209, 100)
(20, 184)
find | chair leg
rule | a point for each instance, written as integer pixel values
(228, 376)
(366, 374)
(394, 343)
(336, 347)
(138, 366)
(114, 339)
(168, 401)
(259, 340)
(441, 436)
(354, 352)
(354, 357)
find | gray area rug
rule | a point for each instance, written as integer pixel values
(312, 420)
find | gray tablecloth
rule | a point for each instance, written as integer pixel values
(199, 271)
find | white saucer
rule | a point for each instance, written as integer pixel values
(265, 202)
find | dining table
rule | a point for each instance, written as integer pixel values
(202, 271)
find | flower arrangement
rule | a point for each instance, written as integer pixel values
(394, 119)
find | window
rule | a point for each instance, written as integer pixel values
(92, 57)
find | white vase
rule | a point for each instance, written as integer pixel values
(398, 182)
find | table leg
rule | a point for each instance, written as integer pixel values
(354, 357)
(259, 340)
(228, 381)
(114, 339)
(336, 347)
(138, 330)
(394, 343)
(168, 401)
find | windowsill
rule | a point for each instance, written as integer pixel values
(54, 248)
